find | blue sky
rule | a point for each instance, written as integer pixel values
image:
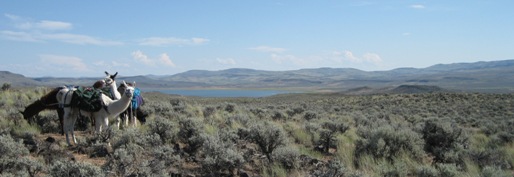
(161, 37)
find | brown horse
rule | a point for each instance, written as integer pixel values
(49, 101)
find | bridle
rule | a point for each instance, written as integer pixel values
(108, 82)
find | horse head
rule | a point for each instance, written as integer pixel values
(109, 79)
(129, 89)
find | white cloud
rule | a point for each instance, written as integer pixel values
(61, 37)
(372, 58)
(347, 55)
(199, 40)
(69, 63)
(417, 6)
(27, 24)
(141, 57)
(162, 41)
(227, 61)
(268, 49)
(43, 30)
(53, 25)
(78, 39)
(12, 17)
(19, 36)
(165, 59)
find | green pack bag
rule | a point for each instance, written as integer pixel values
(87, 99)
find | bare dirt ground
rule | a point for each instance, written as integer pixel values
(75, 152)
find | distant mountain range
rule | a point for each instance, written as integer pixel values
(491, 76)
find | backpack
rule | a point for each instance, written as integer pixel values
(87, 99)
(137, 99)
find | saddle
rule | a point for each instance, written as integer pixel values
(88, 98)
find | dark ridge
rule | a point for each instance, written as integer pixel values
(416, 89)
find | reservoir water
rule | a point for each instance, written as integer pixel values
(224, 93)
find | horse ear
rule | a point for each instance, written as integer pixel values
(113, 76)
(106, 73)
(124, 83)
(134, 84)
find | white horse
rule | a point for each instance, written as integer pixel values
(111, 109)
(128, 117)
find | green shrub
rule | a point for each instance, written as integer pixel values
(160, 161)
(445, 141)
(164, 128)
(208, 111)
(268, 137)
(15, 158)
(261, 113)
(48, 123)
(447, 169)
(287, 156)
(278, 115)
(388, 142)
(230, 107)
(221, 156)
(493, 171)
(397, 169)
(491, 157)
(328, 132)
(332, 168)
(427, 171)
(6, 86)
(126, 160)
(309, 115)
(73, 169)
(138, 153)
(190, 133)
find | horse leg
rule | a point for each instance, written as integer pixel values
(132, 118)
(92, 121)
(73, 120)
(127, 118)
(122, 117)
(60, 114)
(98, 124)
(67, 116)
(118, 122)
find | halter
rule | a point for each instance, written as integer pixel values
(108, 81)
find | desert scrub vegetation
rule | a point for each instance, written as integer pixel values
(429, 134)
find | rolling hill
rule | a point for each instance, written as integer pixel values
(492, 76)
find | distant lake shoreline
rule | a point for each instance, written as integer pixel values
(222, 92)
